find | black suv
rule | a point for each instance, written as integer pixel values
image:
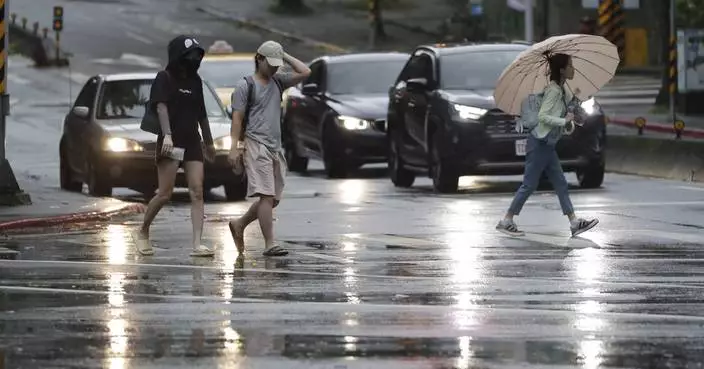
(443, 122)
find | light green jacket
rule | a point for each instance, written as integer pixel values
(552, 111)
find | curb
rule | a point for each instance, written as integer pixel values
(327, 47)
(90, 216)
(658, 127)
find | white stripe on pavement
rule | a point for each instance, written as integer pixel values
(138, 37)
(76, 77)
(366, 307)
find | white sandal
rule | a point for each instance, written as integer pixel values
(143, 245)
(202, 251)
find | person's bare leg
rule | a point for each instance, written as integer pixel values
(238, 225)
(166, 170)
(266, 220)
(194, 175)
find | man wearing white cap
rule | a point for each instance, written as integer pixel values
(256, 103)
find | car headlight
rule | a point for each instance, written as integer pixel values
(589, 106)
(223, 143)
(118, 144)
(470, 113)
(352, 123)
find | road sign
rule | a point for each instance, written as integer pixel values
(58, 23)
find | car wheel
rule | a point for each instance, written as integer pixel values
(65, 177)
(98, 183)
(444, 175)
(592, 176)
(296, 163)
(335, 164)
(400, 176)
(236, 191)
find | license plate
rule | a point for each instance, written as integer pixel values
(521, 147)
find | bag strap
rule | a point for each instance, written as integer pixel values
(278, 85)
(248, 107)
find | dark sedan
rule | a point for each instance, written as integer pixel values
(103, 146)
(339, 113)
(443, 121)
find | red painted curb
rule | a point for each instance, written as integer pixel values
(89, 216)
(657, 127)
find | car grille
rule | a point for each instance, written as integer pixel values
(498, 122)
(380, 125)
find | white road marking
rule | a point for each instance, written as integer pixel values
(636, 204)
(364, 307)
(76, 77)
(691, 188)
(105, 267)
(138, 37)
(17, 79)
(325, 257)
(130, 59)
(627, 92)
(389, 239)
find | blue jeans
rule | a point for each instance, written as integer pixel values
(541, 156)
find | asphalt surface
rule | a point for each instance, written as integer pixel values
(377, 277)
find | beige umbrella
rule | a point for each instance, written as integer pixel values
(594, 58)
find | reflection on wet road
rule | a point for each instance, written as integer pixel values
(377, 278)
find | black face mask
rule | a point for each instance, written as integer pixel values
(191, 61)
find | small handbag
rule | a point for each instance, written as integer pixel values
(150, 120)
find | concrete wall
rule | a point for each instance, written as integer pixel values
(652, 157)
(562, 16)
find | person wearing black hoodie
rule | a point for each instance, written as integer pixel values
(177, 95)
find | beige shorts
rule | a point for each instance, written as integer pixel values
(265, 169)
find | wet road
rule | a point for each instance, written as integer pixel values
(377, 278)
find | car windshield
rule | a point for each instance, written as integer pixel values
(126, 99)
(225, 73)
(474, 70)
(368, 77)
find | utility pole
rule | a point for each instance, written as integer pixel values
(10, 192)
(528, 20)
(673, 62)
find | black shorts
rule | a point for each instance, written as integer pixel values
(194, 150)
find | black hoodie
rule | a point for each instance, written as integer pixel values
(178, 48)
(183, 94)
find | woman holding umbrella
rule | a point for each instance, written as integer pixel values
(558, 55)
(553, 122)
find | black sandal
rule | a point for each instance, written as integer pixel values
(275, 251)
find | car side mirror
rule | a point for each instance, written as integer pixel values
(81, 111)
(417, 83)
(310, 89)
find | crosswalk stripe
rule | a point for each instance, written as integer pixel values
(626, 101)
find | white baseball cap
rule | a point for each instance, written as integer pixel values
(273, 52)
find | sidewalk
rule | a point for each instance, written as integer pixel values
(53, 207)
(38, 104)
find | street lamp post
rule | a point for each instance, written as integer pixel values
(528, 20)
